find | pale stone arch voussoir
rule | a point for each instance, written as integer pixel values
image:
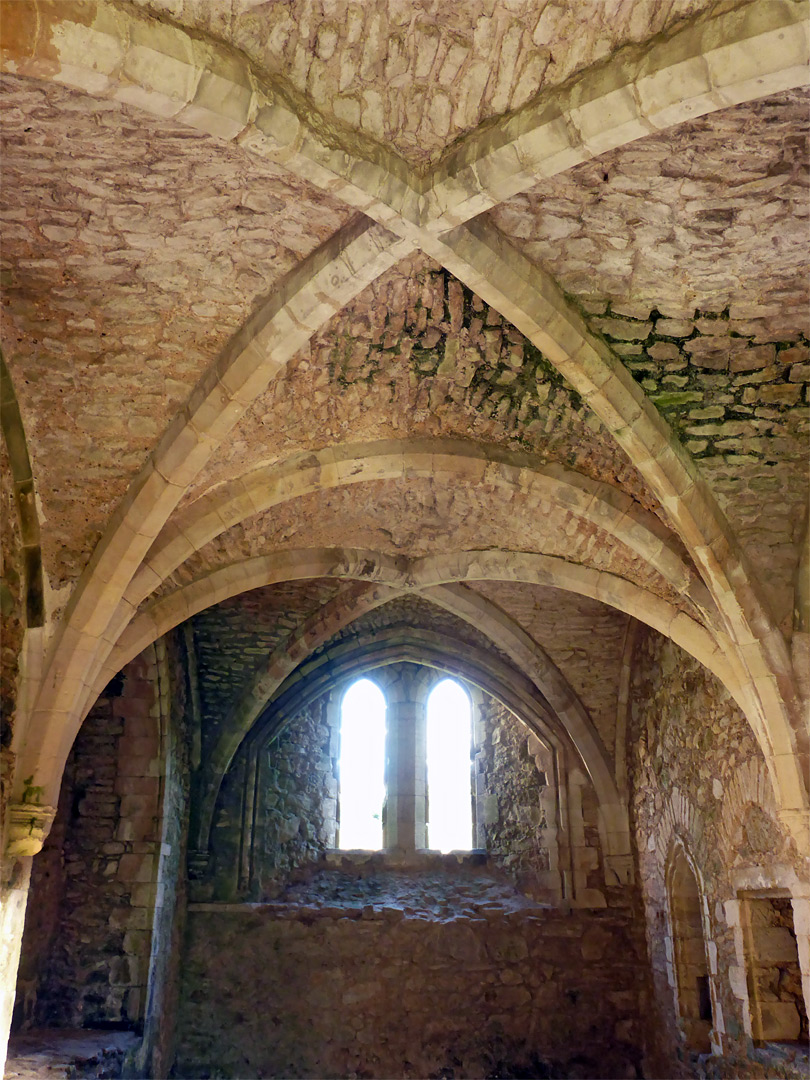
(712, 62)
(450, 461)
(269, 674)
(482, 669)
(163, 614)
(125, 55)
(487, 263)
(528, 656)
(309, 296)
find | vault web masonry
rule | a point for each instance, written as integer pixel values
(434, 348)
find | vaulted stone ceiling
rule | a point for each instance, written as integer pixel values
(418, 76)
(383, 292)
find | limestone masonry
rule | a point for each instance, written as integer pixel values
(399, 349)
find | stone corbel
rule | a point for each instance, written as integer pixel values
(28, 826)
(619, 870)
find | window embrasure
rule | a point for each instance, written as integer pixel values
(395, 752)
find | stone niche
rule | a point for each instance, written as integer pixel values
(777, 1006)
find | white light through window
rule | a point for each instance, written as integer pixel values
(362, 766)
(449, 737)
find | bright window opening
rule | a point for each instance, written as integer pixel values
(362, 766)
(449, 739)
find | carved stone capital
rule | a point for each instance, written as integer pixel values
(28, 826)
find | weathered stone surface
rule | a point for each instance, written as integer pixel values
(97, 877)
(294, 813)
(135, 247)
(696, 218)
(420, 517)
(649, 223)
(11, 598)
(520, 831)
(133, 251)
(419, 355)
(416, 79)
(353, 991)
(583, 638)
(234, 638)
(697, 779)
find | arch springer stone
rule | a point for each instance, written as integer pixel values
(28, 828)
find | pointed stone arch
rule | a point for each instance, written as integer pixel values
(710, 63)
(453, 461)
(689, 966)
(97, 611)
(286, 668)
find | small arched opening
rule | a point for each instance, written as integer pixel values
(689, 954)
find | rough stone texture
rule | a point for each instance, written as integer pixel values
(86, 952)
(417, 77)
(583, 637)
(513, 798)
(767, 507)
(293, 819)
(740, 406)
(420, 517)
(11, 594)
(703, 215)
(128, 269)
(776, 974)
(417, 354)
(233, 638)
(696, 774)
(108, 891)
(69, 1054)
(48, 883)
(411, 613)
(688, 714)
(132, 251)
(376, 991)
(682, 248)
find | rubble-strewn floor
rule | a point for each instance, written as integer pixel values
(60, 1052)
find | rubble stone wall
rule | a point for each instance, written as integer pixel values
(517, 813)
(86, 948)
(293, 819)
(11, 605)
(372, 991)
(698, 780)
(583, 637)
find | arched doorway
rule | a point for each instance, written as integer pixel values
(692, 988)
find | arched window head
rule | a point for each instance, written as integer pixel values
(449, 742)
(362, 766)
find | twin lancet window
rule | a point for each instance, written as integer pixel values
(405, 773)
